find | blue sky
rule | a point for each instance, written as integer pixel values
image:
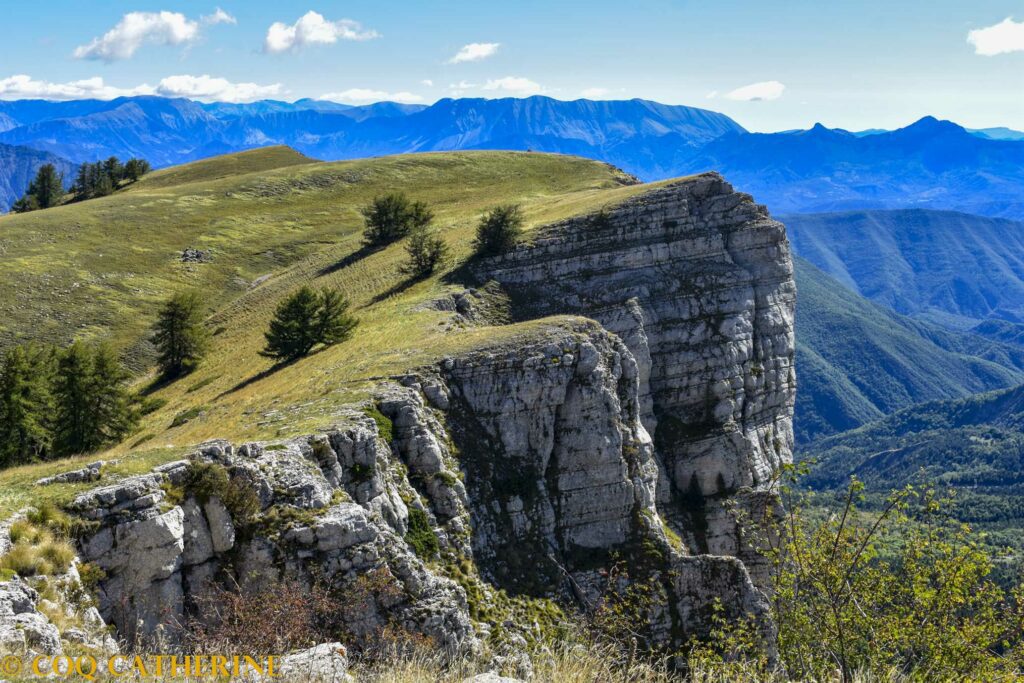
(769, 65)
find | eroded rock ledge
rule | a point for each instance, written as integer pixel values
(530, 461)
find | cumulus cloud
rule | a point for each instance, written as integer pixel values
(594, 93)
(204, 87)
(1006, 36)
(474, 52)
(209, 89)
(138, 28)
(367, 95)
(23, 86)
(757, 92)
(517, 85)
(313, 29)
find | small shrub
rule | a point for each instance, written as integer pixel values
(426, 252)
(499, 230)
(91, 575)
(421, 537)
(36, 551)
(210, 480)
(384, 425)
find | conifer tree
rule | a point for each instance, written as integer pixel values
(179, 335)
(305, 319)
(499, 229)
(391, 217)
(93, 406)
(426, 252)
(26, 404)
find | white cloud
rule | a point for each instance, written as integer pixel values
(757, 92)
(219, 16)
(517, 85)
(366, 95)
(137, 28)
(313, 29)
(459, 89)
(427, 82)
(1006, 36)
(209, 89)
(204, 87)
(474, 52)
(712, 95)
(23, 86)
(594, 93)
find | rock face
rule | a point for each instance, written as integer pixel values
(530, 459)
(697, 281)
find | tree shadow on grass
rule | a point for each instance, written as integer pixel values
(261, 375)
(356, 256)
(394, 290)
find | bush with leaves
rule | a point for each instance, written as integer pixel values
(499, 230)
(391, 217)
(901, 588)
(179, 334)
(427, 251)
(305, 319)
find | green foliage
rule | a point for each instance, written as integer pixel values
(45, 190)
(103, 177)
(499, 229)
(179, 334)
(93, 406)
(385, 428)
(55, 403)
(421, 537)
(427, 251)
(205, 481)
(91, 575)
(904, 588)
(26, 403)
(305, 319)
(391, 217)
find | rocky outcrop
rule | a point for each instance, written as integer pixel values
(553, 460)
(697, 281)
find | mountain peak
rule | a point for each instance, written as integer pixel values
(930, 125)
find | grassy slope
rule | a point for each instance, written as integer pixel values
(101, 269)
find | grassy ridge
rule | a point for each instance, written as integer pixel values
(100, 269)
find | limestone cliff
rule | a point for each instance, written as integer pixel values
(697, 281)
(553, 464)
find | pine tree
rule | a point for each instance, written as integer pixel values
(392, 217)
(292, 332)
(305, 319)
(113, 409)
(75, 423)
(48, 186)
(498, 230)
(93, 405)
(179, 334)
(334, 324)
(426, 252)
(26, 404)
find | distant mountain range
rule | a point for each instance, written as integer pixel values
(930, 164)
(858, 361)
(951, 268)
